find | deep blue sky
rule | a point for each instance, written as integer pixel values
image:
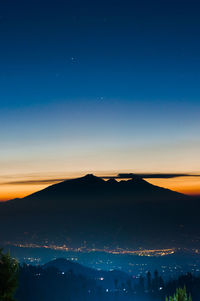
(90, 49)
(92, 81)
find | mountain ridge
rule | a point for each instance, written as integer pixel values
(90, 208)
(90, 179)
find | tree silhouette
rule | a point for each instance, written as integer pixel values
(149, 283)
(180, 295)
(155, 281)
(8, 276)
(141, 285)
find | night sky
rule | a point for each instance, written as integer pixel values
(98, 86)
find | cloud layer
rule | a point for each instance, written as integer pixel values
(119, 176)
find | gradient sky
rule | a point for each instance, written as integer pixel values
(98, 86)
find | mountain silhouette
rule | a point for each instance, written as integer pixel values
(128, 213)
(103, 278)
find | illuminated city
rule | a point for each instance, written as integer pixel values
(161, 252)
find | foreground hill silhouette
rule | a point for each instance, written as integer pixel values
(68, 266)
(128, 213)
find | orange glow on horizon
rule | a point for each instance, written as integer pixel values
(187, 185)
(12, 191)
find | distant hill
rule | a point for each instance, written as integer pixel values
(128, 213)
(105, 278)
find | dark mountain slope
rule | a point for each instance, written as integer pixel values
(127, 213)
(84, 193)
